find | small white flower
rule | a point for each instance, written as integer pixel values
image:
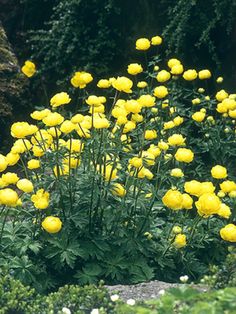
(130, 302)
(114, 297)
(183, 279)
(161, 292)
(65, 310)
(95, 311)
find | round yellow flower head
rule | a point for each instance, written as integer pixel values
(169, 125)
(123, 84)
(81, 79)
(25, 185)
(156, 40)
(228, 186)
(180, 241)
(12, 158)
(137, 117)
(176, 172)
(208, 204)
(52, 224)
(103, 83)
(196, 101)
(53, 119)
(176, 229)
(60, 99)
(146, 101)
(221, 95)
(163, 76)
(160, 92)
(228, 233)
(8, 197)
(3, 163)
(177, 69)
(204, 74)
(10, 178)
(219, 79)
(201, 90)
(199, 116)
(40, 199)
(29, 68)
(118, 190)
(67, 127)
(134, 69)
(23, 129)
(187, 201)
(176, 140)
(150, 134)
(39, 115)
(136, 162)
(172, 62)
(163, 145)
(190, 75)
(143, 44)
(33, 164)
(173, 199)
(142, 84)
(184, 155)
(219, 172)
(193, 187)
(133, 106)
(224, 211)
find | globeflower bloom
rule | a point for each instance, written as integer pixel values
(53, 119)
(198, 116)
(160, 92)
(208, 204)
(25, 185)
(23, 129)
(60, 99)
(40, 199)
(81, 79)
(173, 199)
(8, 197)
(156, 40)
(123, 84)
(219, 172)
(143, 44)
(29, 68)
(228, 233)
(163, 76)
(118, 190)
(190, 75)
(176, 140)
(52, 224)
(184, 155)
(180, 241)
(176, 172)
(204, 74)
(134, 69)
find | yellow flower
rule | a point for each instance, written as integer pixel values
(62, 170)
(169, 125)
(160, 92)
(143, 44)
(129, 126)
(208, 204)
(207, 187)
(228, 186)
(52, 224)
(118, 190)
(184, 155)
(187, 201)
(100, 123)
(156, 40)
(176, 140)
(219, 79)
(177, 69)
(103, 83)
(193, 187)
(178, 120)
(145, 173)
(136, 162)
(109, 172)
(196, 101)
(33, 164)
(81, 79)
(8, 197)
(23, 129)
(29, 68)
(163, 145)
(224, 211)
(74, 145)
(221, 95)
(123, 84)
(12, 158)
(10, 178)
(134, 68)
(204, 74)
(60, 99)
(3, 163)
(173, 199)
(137, 117)
(176, 172)
(67, 127)
(219, 172)
(180, 241)
(150, 134)
(53, 119)
(146, 101)
(133, 106)
(39, 115)
(173, 62)
(176, 229)
(142, 84)
(190, 75)
(198, 116)
(163, 76)
(25, 185)
(40, 199)
(228, 233)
